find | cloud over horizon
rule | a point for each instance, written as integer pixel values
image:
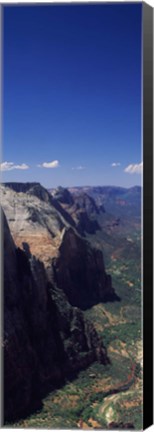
(134, 168)
(52, 164)
(8, 166)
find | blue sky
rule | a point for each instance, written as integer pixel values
(72, 94)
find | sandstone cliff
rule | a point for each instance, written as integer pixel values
(40, 227)
(45, 339)
(79, 271)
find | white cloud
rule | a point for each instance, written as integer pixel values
(134, 168)
(8, 166)
(23, 166)
(115, 164)
(80, 167)
(52, 164)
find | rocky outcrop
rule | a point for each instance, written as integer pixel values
(38, 226)
(118, 201)
(85, 212)
(82, 209)
(37, 190)
(79, 271)
(45, 339)
(85, 224)
(85, 202)
(34, 218)
(63, 196)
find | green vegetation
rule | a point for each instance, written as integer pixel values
(124, 332)
(92, 394)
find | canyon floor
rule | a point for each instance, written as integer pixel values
(104, 396)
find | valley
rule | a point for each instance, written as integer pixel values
(102, 226)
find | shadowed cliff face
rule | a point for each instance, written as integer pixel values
(82, 209)
(48, 268)
(79, 271)
(31, 345)
(45, 339)
(37, 222)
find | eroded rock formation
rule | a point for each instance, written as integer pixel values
(79, 271)
(45, 338)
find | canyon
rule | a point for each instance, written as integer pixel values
(51, 274)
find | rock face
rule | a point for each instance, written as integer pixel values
(79, 271)
(39, 226)
(63, 196)
(50, 271)
(84, 201)
(120, 202)
(45, 338)
(34, 218)
(85, 212)
(82, 209)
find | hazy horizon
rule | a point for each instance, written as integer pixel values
(76, 185)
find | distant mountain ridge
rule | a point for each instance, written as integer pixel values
(116, 200)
